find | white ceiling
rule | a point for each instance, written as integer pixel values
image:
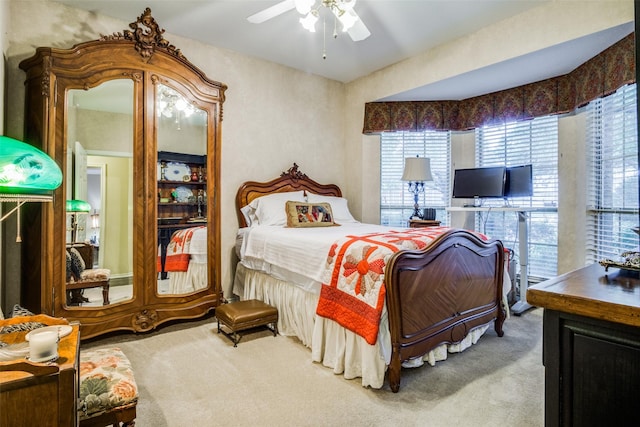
(399, 29)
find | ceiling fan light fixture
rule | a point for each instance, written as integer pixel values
(347, 19)
(309, 21)
(346, 4)
(304, 6)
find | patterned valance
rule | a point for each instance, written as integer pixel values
(600, 76)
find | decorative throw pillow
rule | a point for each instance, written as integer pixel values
(77, 263)
(19, 311)
(24, 326)
(341, 213)
(69, 274)
(300, 214)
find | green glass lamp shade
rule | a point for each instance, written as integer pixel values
(24, 169)
(78, 206)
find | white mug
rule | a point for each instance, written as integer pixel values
(43, 346)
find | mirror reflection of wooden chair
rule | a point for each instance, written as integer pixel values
(81, 275)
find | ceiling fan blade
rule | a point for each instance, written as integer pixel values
(272, 12)
(358, 31)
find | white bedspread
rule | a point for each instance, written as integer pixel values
(296, 255)
(271, 264)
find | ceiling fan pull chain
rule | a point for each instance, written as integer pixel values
(324, 38)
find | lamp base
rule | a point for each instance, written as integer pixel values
(416, 213)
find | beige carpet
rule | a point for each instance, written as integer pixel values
(188, 375)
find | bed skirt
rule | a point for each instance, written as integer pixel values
(332, 345)
(186, 282)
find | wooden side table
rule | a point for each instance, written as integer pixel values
(42, 394)
(419, 223)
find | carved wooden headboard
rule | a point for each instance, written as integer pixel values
(291, 180)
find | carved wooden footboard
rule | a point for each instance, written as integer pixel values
(439, 294)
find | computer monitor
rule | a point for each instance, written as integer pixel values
(488, 182)
(519, 181)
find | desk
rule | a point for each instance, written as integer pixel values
(421, 223)
(523, 246)
(591, 346)
(49, 396)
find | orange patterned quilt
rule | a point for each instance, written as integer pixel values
(353, 291)
(178, 255)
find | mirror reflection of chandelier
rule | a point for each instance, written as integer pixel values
(171, 104)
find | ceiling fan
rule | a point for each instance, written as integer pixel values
(310, 11)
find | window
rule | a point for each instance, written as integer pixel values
(532, 142)
(396, 203)
(612, 164)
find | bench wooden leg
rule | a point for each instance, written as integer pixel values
(105, 294)
(233, 337)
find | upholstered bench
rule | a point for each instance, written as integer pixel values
(243, 315)
(108, 391)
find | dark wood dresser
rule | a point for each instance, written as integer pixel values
(591, 346)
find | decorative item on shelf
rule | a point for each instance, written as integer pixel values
(176, 171)
(200, 202)
(75, 208)
(417, 170)
(629, 260)
(27, 174)
(186, 178)
(174, 195)
(194, 176)
(184, 195)
(163, 171)
(200, 174)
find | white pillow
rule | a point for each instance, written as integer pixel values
(249, 215)
(339, 206)
(270, 209)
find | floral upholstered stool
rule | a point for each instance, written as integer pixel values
(108, 391)
(243, 315)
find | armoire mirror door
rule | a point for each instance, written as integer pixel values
(100, 135)
(182, 191)
(99, 106)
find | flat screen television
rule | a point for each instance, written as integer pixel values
(519, 181)
(479, 182)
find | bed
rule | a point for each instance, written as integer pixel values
(185, 261)
(440, 292)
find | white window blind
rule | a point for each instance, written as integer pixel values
(396, 203)
(612, 163)
(532, 142)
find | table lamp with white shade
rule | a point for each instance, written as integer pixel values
(417, 170)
